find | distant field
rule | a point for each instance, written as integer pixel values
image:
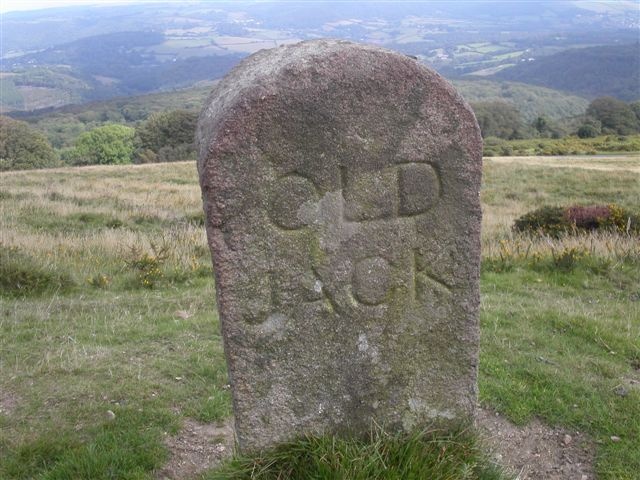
(107, 304)
(177, 43)
(508, 56)
(491, 70)
(210, 43)
(481, 47)
(602, 163)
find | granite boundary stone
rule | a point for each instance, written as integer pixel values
(341, 184)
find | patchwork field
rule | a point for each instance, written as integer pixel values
(110, 353)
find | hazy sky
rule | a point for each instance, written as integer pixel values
(11, 5)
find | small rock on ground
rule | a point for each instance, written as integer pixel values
(537, 451)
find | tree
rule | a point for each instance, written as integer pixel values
(109, 144)
(635, 106)
(499, 119)
(614, 115)
(167, 136)
(541, 124)
(546, 128)
(588, 130)
(22, 147)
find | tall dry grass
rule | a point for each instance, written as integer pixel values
(92, 220)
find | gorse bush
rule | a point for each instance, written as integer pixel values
(568, 258)
(554, 220)
(148, 266)
(100, 280)
(548, 220)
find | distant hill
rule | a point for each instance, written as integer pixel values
(591, 72)
(101, 67)
(128, 109)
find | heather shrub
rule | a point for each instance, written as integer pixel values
(554, 220)
(587, 217)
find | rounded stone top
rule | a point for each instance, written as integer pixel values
(356, 91)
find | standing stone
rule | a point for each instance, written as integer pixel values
(341, 190)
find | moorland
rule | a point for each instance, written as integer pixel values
(109, 340)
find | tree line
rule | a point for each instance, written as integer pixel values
(163, 137)
(604, 116)
(169, 136)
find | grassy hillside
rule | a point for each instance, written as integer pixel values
(110, 345)
(591, 72)
(63, 125)
(531, 101)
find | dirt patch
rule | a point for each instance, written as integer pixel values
(537, 451)
(531, 452)
(198, 447)
(8, 403)
(627, 385)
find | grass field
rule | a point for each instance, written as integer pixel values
(109, 339)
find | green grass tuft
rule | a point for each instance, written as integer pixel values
(38, 456)
(127, 447)
(43, 220)
(434, 455)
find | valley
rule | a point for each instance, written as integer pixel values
(119, 51)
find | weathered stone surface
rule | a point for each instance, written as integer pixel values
(341, 190)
